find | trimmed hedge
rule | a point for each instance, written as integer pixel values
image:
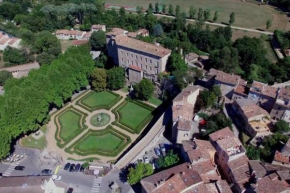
(126, 127)
(81, 125)
(125, 141)
(97, 107)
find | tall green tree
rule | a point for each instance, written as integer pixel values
(169, 159)
(200, 15)
(170, 10)
(140, 171)
(175, 62)
(177, 10)
(206, 14)
(164, 9)
(150, 8)
(215, 17)
(157, 7)
(232, 18)
(98, 40)
(144, 89)
(99, 79)
(281, 126)
(4, 75)
(192, 12)
(268, 24)
(115, 78)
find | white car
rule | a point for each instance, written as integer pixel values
(56, 177)
(146, 160)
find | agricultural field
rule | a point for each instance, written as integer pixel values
(249, 15)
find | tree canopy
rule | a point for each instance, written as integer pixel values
(115, 78)
(168, 160)
(99, 79)
(281, 126)
(140, 171)
(4, 75)
(27, 101)
(144, 89)
(98, 40)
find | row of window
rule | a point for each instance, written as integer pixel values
(136, 57)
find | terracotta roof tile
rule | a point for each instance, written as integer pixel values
(266, 185)
(136, 68)
(141, 46)
(98, 26)
(221, 134)
(258, 168)
(225, 77)
(261, 88)
(279, 157)
(250, 110)
(242, 90)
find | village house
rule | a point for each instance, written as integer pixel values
(263, 95)
(140, 32)
(140, 59)
(240, 92)
(282, 158)
(254, 119)
(231, 158)
(181, 179)
(195, 60)
(200, 154)
(98, 27)
(65, 34)
(226, 82)
(31, 184)
(183, 126)
(22, 70)
(6, 41)
(281, 107)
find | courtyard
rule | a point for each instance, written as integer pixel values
(98, 125)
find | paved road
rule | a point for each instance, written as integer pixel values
(222, 25)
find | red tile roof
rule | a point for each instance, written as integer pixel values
(137, 68)
(225, 77)
(98, 26)
(187, 175)
(221, 134)
(279, 157)
(264, 89)
(267, 185)
(242, 90)
(141, 46)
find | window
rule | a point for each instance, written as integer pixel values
(146, 67)
(121, 52)
(132, 55)
(157, 64)
(136, 56)
(127, 54)
(150, 61)
(141, 58)
(127, 61)
(122, 59)
(157, 71)
(150, 68)
(145, 59)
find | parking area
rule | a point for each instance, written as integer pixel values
(151, 153)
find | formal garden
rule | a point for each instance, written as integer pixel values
(100, 123)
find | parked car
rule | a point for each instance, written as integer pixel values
(70, 190)
(162, 147)
(66, 167)
(146, 160)
(82, 169)
(157, 151)
(21, 168)
(78, 167)
(0, 174)
(56, 177)
(72, 168)
(46, 171)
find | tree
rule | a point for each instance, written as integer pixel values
(140, 171)
(13, 56)
(192, 12)
(115, 78)
(208, 98)
(170, 11)
(217, 90)
(150, 8)
(206, 14)
(180, 78)
(157, 30)
(99, 79)
(98, 40)
(253, 153)
(144, 89)
(215, 17)
(4, 75)
(164, 9)
(177, 10)
(232, 18)
(175, 62)
(85, 165)
(281, 126)
(268, 24)
(157, 7)
(168, 160)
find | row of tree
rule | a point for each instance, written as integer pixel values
(27, 101)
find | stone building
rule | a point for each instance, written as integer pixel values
(6, 41)
(140, 59)
(282, 105)
(22, 70)
(183, 125)
(98, 27)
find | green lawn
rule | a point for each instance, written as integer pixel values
(247, 14)
(133, 114)
(94, 99)
(70, 122)
(106, 142)
(29, 141)
(155, 101)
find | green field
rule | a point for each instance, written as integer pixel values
(247, 14)
(94, 99)
(29, 141)
(133, 114)
(105, 142)
(155, 101)
(70, 122)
